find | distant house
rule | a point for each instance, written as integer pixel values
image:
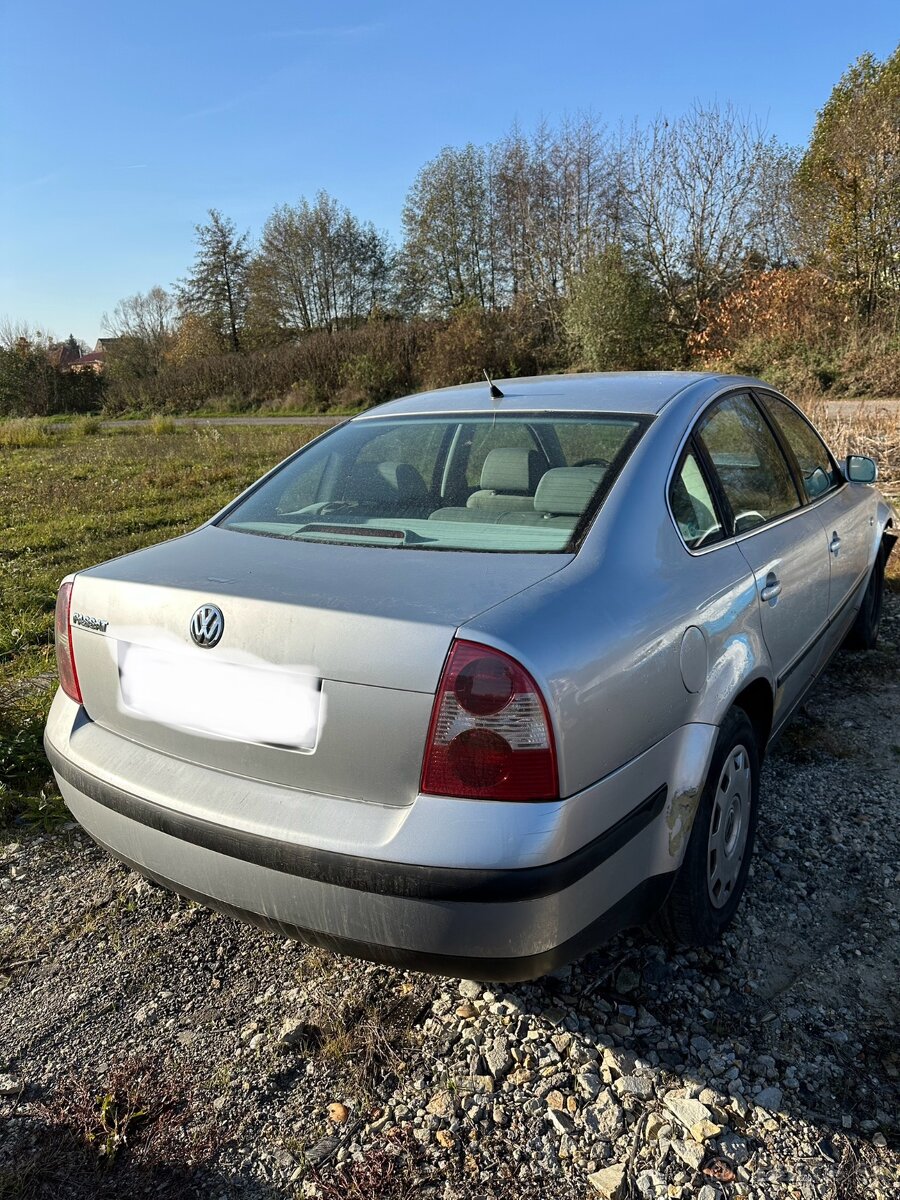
(63, 354)
(95, 360)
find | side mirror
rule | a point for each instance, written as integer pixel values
(860, 469)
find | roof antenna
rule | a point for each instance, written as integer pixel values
(496, 394)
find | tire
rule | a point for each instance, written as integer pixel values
(712, 877)
(863, 633)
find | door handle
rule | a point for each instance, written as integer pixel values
(835, 544)
(772, 589)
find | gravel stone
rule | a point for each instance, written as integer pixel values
(687, 1112)
(768, 1052)
(609, 1182)
(769, 1098)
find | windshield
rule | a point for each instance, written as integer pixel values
(514, 482)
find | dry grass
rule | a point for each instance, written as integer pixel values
(871, 429)
(23, 431)
(160, 424)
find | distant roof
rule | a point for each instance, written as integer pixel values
(94, 356)
(62, 354)
(622, 391)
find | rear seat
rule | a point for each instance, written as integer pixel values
(509, 479)
(561, 497)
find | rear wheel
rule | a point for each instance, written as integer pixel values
(711, 881)
(863, 633)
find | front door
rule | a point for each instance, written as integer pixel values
(783, 542)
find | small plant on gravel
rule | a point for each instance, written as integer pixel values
(371, 1030)
(139, 1110)
(392, 1170)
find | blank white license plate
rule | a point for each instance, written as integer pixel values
(247, 701)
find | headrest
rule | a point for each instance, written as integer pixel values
(567, 491)
(378, 482)
(511, 469)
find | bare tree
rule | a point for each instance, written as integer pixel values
(144, 325)
(698, 205)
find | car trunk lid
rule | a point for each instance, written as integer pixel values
(351, 639)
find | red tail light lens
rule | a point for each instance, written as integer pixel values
(490, 735)
(65, 655)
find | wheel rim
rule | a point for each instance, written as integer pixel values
(728, 827)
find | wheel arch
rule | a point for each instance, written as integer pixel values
(757, 699)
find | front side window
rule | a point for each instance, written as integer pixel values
(817, 467)
(514, 483)
(693, 507)
(753, 472)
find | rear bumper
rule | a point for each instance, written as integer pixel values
(488, 920)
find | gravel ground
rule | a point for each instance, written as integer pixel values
(150, 1047)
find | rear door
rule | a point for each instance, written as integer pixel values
(843, 509)
(783, 541)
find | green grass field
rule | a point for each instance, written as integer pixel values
(76, 500)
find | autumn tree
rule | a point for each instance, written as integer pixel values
(450, 253)
(558, 205)
(217, 288)
(849, 185)
(318, 266)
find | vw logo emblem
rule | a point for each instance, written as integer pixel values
(207, 625)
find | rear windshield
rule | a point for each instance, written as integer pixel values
(513, 482)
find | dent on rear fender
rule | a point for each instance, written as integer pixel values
(686, 783)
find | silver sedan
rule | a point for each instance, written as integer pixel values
(479, 677)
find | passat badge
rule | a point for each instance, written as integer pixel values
(95, 623)
(207, 625)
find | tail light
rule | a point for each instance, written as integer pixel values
(490, 736)
(65, 655)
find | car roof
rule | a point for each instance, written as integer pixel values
(643, 392)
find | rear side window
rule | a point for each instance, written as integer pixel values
(753, 472)
(693, 507)
(817, 467)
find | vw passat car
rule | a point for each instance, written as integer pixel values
(478, 678)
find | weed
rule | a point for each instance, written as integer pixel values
(160, 424)
(85, 426)
(133, 1132)
(392, 1170)
(21, 432)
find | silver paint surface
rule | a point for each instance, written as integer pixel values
(639, 645)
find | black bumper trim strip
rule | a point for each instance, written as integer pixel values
(635, 908)
(481, 885)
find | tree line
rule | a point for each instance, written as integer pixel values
(696, 240)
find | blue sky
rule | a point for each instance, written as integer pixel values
(122, 123)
